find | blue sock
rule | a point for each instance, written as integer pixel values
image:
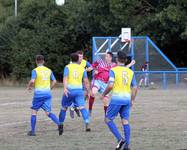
(85, 115)
(127, 133)
(114, 130)
(62, 116)
(54, 118)
(33, 123)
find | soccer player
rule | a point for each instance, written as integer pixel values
(74, 75)
(43, 81)
(122, 82)
(101, 76)
(85, 64)
(144, 77)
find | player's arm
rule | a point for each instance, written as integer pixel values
(88, 67)
(53, 80)
(86, 82)
(110, 83)
(134, 90)
(65, 81)
(32, 81)
(131, 64)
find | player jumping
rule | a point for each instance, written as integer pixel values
(101, 76)
(74, 75)
(41, 80)
(122, 81)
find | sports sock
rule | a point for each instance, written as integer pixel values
(85, 115)
(127, 133)
(54, 118)
(114, 130)
(33, 123)
(105, 109)
(91, 101)
(62, 116)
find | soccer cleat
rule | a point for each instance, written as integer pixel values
(87, 128)
(30, 133)
(77, 112)
(71, 111)
(61, 129)
(120, 144)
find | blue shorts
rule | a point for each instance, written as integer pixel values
(42, 102)
(123, 110)
(75, 97)
(100, 85)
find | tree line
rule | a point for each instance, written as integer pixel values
(42, 27)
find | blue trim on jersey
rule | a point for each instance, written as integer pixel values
(66, 71)
(88, 64)
(52, 77)
(33, 74)
(85, 74)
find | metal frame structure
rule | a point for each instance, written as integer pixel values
(108, 40)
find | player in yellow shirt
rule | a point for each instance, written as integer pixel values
(74, 77)
(43, 81)
(122, 82)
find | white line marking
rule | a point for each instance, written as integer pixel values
(15, 103)
(18, 123)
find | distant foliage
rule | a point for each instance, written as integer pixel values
(42, 27)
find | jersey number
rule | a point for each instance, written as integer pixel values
(75, 74)
(125, 77)
(45, 75)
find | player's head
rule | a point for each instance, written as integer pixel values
(39, 59)
(80, 54)
(74, 58)
(109, 57)
(121, 57)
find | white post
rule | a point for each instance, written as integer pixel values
(16, 8)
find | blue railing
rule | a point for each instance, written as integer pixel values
(164, 75)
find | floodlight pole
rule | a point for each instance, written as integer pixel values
(15, 8)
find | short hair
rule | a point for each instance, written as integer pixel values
(110, 53)
(122, 57)
(74, 57)
(39, 58)
(80, 52)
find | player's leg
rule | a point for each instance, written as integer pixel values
(125, 113)
(33, 123)
(80, 102)
(36, 105)
(47, 108)
(112, 112)
(146, 80)
(106, 98)
(65, 103)
(95, 89)
(140, 82)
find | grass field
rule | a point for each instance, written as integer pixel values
(158, 119)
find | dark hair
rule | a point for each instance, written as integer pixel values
(110, 53)
(39, 58)
(128, 60)
(121, 57)
(74, 57)
(79, 52)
